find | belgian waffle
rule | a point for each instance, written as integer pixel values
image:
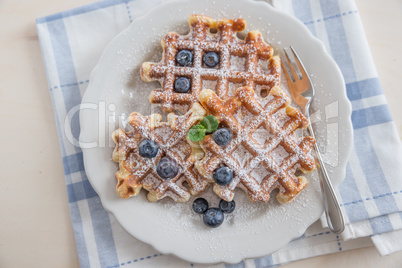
(136, 171)
(267, 164)
(248, 62)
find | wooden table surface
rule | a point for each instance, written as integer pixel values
(35, 225)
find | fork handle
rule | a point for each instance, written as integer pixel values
(332, 208)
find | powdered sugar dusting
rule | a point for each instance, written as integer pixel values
(259, 173)
(233, 87)
(263, 67)
(242, 115)
(209, 84)
(183, 149)
(163, 132)
(261, 135)
(279, 154)
(179, 217)
(280, 117)
(237, 63)
(242, 156)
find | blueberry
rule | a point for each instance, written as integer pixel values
(184, 57)
(223, 175)
(227, 207)
(148, 148)
(182, 84)
(167, 168)
(222, 136)
(211, 59)
(200, 205)
(213, 217)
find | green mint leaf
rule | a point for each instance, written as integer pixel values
(210, 123)
(196, 133)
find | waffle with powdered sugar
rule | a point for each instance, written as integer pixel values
(137, 172)
(264, 153)
(248, 62)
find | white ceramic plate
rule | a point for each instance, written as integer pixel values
(116, 90)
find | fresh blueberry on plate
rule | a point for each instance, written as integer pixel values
(213, 217)
(223, 175)
(184, 57)
(211, 59)
(148, 148)
(222, 136)
(167, 168)
(227, 207)
(182, 85)
(200, 205)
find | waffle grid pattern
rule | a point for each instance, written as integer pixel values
(137, 172)
(259, 66)
(280, 175)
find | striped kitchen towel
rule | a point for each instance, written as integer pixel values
(371, 194)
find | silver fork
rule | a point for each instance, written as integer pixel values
(302, 91)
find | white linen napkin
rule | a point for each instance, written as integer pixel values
(371, 195)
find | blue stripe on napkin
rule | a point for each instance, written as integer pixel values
(103, 232)
(65, 70)
(80, 191)
(373, 171)
(79, 235)
(303, 10)
(355, 210)
(363, 89)
(73, 163)
(338, 42)
(264, 262)
(364, 118)
(381, 225)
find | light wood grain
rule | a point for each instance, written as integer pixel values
(35, 225)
